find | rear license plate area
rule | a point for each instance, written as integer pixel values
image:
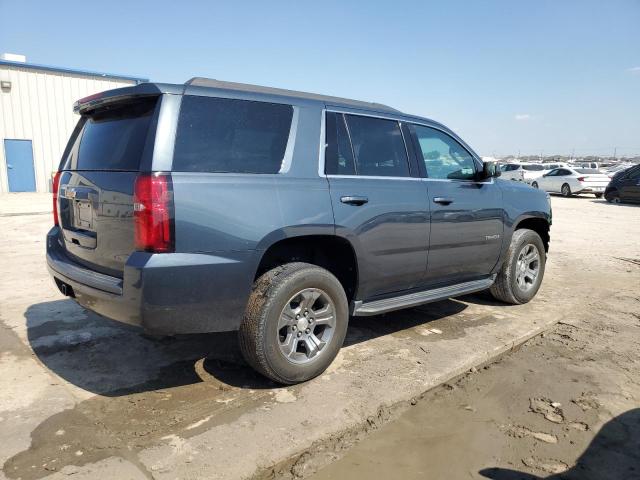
(83, 215)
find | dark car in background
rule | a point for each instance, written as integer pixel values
(624, 186)
(214, 206)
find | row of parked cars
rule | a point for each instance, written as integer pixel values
(616, 185)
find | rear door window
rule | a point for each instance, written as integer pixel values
(339, 155)
(229, 135)
(378, 147)
(113, 138)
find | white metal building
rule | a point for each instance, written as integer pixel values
(36, 117)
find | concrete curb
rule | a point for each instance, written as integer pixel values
(322, 452)
(314, 418)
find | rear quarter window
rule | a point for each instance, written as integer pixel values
(231, 136)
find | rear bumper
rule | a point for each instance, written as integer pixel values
(592, 190)
(168, 293)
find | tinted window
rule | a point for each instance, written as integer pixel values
(634, 173)
(338, 156)
(562, 172)
(533, 168)
(225, 135)
(553, 173)
(113, 138)
(512, 167)
(587, 170)
(443, 156)
(378, 146)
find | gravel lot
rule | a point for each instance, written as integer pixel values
(82, 395)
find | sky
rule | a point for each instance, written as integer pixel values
(535, 77)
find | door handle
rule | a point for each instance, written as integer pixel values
(442, 200)
(354, 200)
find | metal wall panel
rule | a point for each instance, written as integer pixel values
(39, 107)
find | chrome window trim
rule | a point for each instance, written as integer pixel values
(396, 118)
(287, 159)
(323, 144)
(347, 111)
(429, 179)
(373, 177)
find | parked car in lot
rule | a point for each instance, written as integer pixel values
(573, 181)
(624, 186)
(214, 206)
(612, 171)
(522, 172)
(550, 166)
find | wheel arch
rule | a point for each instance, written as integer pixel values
(327, 250)
(539, 224)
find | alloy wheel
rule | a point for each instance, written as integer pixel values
(306, 325)
(527, 267)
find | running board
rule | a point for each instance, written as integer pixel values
(377, 307)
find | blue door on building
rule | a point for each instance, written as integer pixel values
(18, 155)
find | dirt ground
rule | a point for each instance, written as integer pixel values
(566, 402)
(84, 396)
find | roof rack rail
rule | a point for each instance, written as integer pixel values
(245, 87)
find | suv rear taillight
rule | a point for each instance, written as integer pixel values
(56, 185)
(153, 213)
(581, 179)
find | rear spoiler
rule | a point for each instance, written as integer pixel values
(87, 104)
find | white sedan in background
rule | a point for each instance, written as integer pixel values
(571, 181)
(521, 172)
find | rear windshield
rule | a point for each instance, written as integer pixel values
(534, 168)
(587, 170)
(113, 138)
(233, 136)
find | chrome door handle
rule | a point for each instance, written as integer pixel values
(442, 200)
(354, 200)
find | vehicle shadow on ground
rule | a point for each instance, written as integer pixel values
(112, 359)
(613, 453)
(362, 329)
(604, 202)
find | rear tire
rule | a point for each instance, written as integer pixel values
(613, 197)
(566, 190)
(521, 274)
(276, 337)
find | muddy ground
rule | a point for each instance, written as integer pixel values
(567, 402)
(84, 396)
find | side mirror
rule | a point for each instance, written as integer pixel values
(490, 170)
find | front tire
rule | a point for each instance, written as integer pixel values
(613, 197)
(566, 190)
(295, 322)
(521, 273)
